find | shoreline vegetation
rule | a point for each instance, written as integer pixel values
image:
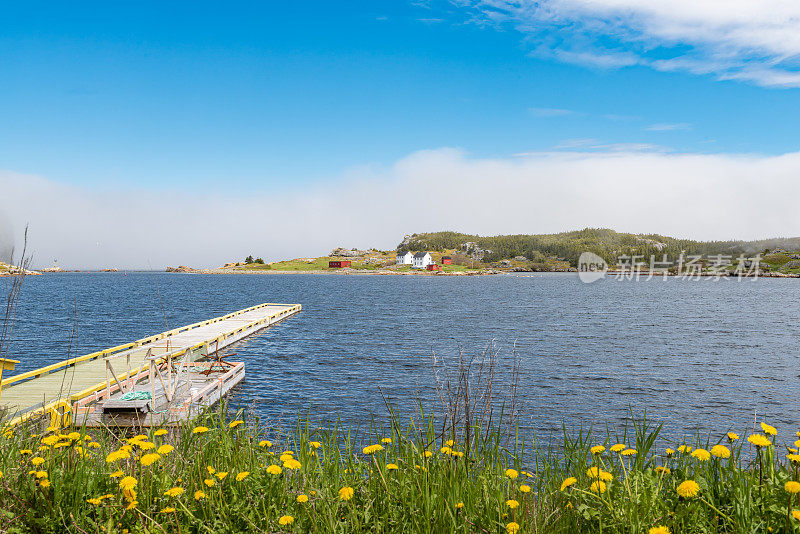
(471, 255)
(476, 255)
(236, 475)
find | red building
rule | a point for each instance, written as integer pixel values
(447, 260)
(433, 267)
(338, 264)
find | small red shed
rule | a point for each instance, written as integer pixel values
(433, 267)
(447, 260)
(338, 264)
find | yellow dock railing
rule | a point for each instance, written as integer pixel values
(60, 410)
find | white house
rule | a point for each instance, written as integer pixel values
(421, 260)
(404, 258)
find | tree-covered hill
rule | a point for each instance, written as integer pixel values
(604, 242)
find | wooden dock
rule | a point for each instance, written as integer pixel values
(175, 369)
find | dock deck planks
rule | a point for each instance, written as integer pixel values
(78, 378)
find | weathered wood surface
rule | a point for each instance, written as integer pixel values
(80, 378)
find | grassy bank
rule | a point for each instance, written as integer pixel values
(223, 475)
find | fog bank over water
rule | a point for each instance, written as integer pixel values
(698, 196)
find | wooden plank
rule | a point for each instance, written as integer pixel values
(85, 376)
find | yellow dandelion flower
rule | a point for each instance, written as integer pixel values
(209, 482)
(132, 505)
(794, 458)
(174, 492)
(116, 474)
(129, 494)
(659, 530)
(243, 475)
(629, 452)
(597, 473)
(37, 461)
(346, 493)
(199, 430)
(274, 470)
(427, 454)
(619, 447)
(688, 489)
(167, 510)
(732, 436)
(128, 483)
(449, 443)
(150, 459)
(796, 514)
(512, 528)
(701, 454)
(94, 445)
(769, 429)
(684, 449)
(44, 483)
(512, 474)
(165, 449)
(597, 449)
(721, 451)
(511, 503)
(525, 488)
(234, 424)
(265, 443)
(50, 440)
(460, 505)
(386, 440)
(670, 452)
(221, 475)
(25, 452)
(146, 445)
(598, 487)
(41, 474)
(392, 467)
(285, 520)
(74, 436)
(210, 470)
(568, 482)
(160, 432)
(95, 501)
(662, 469)
(302, 499)
(292, 464)
(445, 450)
(759, 440)
(372, 449)
(199, 495)
(792, 487)
(315, 444)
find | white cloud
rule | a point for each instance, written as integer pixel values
(668, 127)
(685, 195)
(550, 112)
(757, 41)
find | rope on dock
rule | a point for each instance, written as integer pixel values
(136, 395)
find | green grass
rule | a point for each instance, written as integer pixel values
(486, 485)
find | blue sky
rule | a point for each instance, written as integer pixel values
(275, 95)
(135, 135)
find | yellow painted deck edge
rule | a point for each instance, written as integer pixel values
(62, 418)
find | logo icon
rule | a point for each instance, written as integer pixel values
(591, 267)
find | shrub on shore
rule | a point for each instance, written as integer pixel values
(220, 476)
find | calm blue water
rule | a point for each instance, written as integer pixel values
(695, 354)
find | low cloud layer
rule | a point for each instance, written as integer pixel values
(683, 195)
